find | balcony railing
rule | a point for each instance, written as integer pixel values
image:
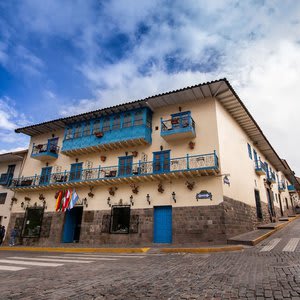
(5, 179)
(260, 167)
(271, 176)
(205, 164)
(178, 126)
(281, 186)
(44, 151)
(291, 188)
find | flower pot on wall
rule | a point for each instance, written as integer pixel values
(191, 145)
(103, 158)
(99, 134)
(134, 153)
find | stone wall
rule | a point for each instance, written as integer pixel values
(196, 224)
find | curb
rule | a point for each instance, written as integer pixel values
(76, 250)
(266, 235)
(202, 250)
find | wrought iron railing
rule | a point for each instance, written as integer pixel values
(259, 165)
(43, 148)
(281, 185)
(142, 168)
(179, 122)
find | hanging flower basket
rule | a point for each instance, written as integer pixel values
(103, 158)
(99, 134)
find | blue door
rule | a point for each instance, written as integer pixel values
(71, 232)
(125, 165)
(76, 171)
(45, 175)
(162, 230)
(161, 161)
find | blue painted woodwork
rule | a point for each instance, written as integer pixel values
(179, 123)
(72, 224)
(5, 179)
(291, 188)
(75, 172)
(45, 175)
(162, 231)
(125, 165)
(131, 125)
(249, 151)
(255, 155)
(46, 151)
(161, 161)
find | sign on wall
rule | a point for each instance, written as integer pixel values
(203, 195)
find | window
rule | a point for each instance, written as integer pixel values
(161, 161)
(125, 165)
(138, 118)
(76, 171)
(255, 155)
(33, 222)
(106, 124)
(249, 151)
(3, 198)
(77, 132)
(120, 219)
(96, 127)
(116, 122)
(52, 145)
(259, 213)
(127, 120)
(45, 175)
(87, 129)
(69, 134)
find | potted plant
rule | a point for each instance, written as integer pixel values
(99, 134)
(192, 145)
(174, 121)
(160, 188)
(112, 190)
(135, 188)
(134, 153)
(103, 158)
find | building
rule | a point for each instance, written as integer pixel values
(186, 166)
(11, 165)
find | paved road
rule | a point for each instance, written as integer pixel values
(270, 270)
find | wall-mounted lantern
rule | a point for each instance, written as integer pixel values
(85, 202)
(108, 202)
(174, 197)
(131, 200)
(148, 199)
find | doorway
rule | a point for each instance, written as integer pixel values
(281, 210)
(270, 205)
(162, 230)
(72, 225)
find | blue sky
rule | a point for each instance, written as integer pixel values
(59, 58)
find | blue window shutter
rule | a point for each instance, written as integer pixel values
(249, 151)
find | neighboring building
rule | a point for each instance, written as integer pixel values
(10, 166)
(190, 165)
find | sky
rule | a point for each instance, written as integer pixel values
(59, 58)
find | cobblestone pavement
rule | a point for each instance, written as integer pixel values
(270, 270)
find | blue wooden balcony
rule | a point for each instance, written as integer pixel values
(123, 130)
(196, 165)
(5, 179)
(179, 126)
(271, 176)
(260, 168)
(281, 186)
(291, 188)
(45, 151)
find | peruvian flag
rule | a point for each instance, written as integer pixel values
(68, 199)
(58, 200)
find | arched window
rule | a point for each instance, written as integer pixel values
(87, 129)
(116, 122)
(106, 124)
(138, 118)
(77, 132)
(69, 133)
(96, 127)
(127, 120)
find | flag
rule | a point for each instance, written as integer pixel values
(68, 199)
(62, 203)
(74, 199)
(58, 200)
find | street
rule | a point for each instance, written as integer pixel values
(270, 270)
